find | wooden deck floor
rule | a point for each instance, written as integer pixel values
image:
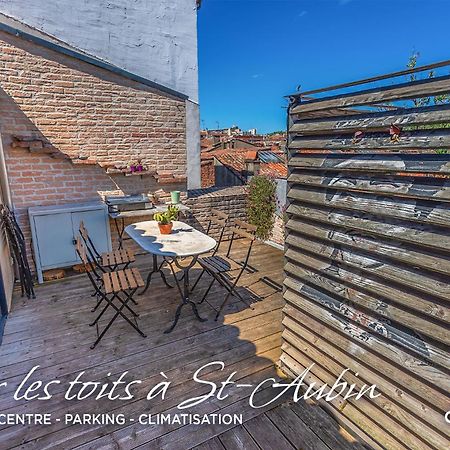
(52, 332)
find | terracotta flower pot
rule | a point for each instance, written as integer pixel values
(165, 228)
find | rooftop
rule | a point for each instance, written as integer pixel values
(247, 340)
(272, 164)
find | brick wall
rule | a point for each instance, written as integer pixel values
(232, 200)
(208, 175)
(89, 119)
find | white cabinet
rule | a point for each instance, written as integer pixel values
(54, 228)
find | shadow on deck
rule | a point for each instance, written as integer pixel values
(52, 332)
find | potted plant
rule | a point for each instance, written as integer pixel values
(165, 219)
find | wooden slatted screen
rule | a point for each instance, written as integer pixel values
(368, 257)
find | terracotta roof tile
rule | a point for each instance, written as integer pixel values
(272, 164)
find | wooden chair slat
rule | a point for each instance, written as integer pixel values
(130, 255)
(81, 249)
(83, 231)
(219, 213)
(117, 257)
(217, 221)
(123, 256)
(138, 277)
(212, 261)
(107, 283)
(233, 264)
(115, 281)
(123, 280)
(131, 279)
(246, 225)
(243, 233)
(208, 266)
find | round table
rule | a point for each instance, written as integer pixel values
(185, 242)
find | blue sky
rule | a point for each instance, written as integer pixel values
(253, 52)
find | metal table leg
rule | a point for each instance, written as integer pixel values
(184, 293)
(156, 269)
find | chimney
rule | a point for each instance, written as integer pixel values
(251, 164)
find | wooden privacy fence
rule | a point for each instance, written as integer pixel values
(368, 254)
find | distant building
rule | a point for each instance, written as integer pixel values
(236, 166)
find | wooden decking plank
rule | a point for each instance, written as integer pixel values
(244, 362)
(269, 321)
(247, 340)
(295, 430)
(238, 438)
(235, 403)
(15, 356)
(58, 342)
(56, 357)
(266, 434)
(73, 365)
(130, 436)
(212, 444)
(82, 331)
(325, 426)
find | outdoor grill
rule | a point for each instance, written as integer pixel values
(138, 202)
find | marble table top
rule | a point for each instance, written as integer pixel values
(183, 241)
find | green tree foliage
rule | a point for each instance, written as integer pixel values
(427, 101)
(261, 205)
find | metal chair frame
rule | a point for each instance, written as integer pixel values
(96, 280)
(94, 253)
(243, 230)
(223, 220)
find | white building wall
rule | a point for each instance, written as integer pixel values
(156, 39)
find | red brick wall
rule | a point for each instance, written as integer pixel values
(208, 175)
(79, 110)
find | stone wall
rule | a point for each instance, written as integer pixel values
(232, 200)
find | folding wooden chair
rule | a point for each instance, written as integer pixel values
(222, 220)
(118, 285)
(111, 260)
(220, 266)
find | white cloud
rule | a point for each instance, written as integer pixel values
(257, 75)
(344, 2)
(302, 13)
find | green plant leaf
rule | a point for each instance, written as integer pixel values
(261, 205)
